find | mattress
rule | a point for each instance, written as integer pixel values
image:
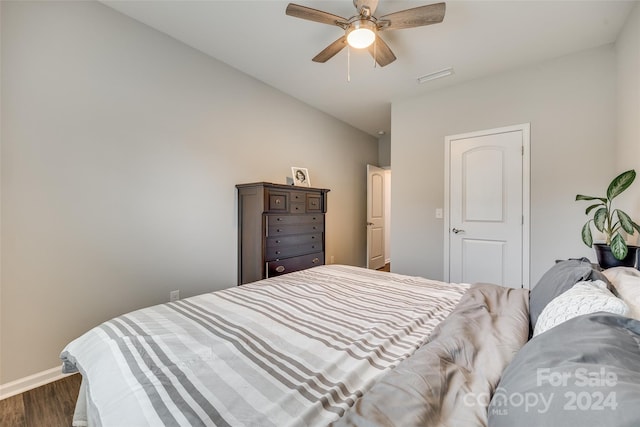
(294, 350)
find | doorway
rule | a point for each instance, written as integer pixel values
(378, 218)
(487, 207)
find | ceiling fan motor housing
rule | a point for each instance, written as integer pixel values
(361, 33)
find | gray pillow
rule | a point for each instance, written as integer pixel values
(584, 372)
(560, 278)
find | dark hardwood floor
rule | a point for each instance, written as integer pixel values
(51, 405)
(386, 267)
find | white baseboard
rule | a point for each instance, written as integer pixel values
(32, 381)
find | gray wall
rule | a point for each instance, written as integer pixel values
(384, 151)
(120, 151)
(628, 111)
(570, 103)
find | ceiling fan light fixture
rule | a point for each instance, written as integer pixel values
(361, 34)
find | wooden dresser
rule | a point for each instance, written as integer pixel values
(280, 229)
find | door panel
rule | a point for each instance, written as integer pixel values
(485, 236)
(483, 193)
(483, 261)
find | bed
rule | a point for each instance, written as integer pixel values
(332, 345)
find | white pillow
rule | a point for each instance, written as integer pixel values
(583, 298)
(626, 280)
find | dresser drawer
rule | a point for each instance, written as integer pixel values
(274, 220)
(284, 266)
(298, 197)
(297, 208)
(286, 229)
(275, 253)
(314, 203)
(294, 240)
(278, 202)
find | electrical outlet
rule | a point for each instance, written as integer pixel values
(174, 296)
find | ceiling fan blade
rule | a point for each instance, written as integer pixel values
(416, 17)
(371, 4)
(331, 50)
(315, 15)
(381, 52)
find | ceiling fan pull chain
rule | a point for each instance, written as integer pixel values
(375, 52)
(348, 64)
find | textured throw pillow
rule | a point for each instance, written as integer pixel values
(626, 281)
(558, 279)
(584, 372)
(583, 298)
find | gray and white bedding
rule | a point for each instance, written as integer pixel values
(583, 367)
(297, 349)
(449, 381)
(345, 346)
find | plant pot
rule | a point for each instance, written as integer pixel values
(607, 260)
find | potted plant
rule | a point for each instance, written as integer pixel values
(610, 222)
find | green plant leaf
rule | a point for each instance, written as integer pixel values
(635, 226)
(587, 238)
(620, 183)
(625, 221)
(592, 207)
(619, 247)
(599, 219)
(583, 197)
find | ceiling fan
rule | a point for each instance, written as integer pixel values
(361, 30)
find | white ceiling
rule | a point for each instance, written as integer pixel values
(477, 38)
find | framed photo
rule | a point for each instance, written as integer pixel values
(300, 176)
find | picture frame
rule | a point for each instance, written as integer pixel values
(300, 177)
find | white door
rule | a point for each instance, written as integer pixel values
(375, 217)
(487, 222)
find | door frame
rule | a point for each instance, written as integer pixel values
(385, 202)
(526, 182)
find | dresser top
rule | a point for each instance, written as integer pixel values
(281, 186)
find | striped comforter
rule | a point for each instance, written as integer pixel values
(294, 350)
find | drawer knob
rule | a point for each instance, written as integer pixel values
(278, 219)
(315, 260)
(277, 241)
(277, 252)
(280, 268)
(277, 201)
